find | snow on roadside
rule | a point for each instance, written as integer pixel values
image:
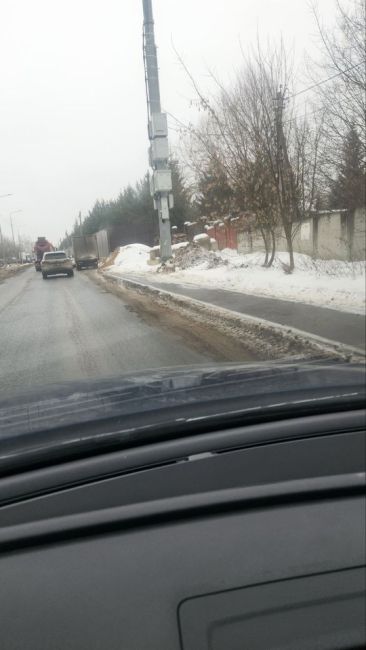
(325, 283)
(133, 257)
(8, 270)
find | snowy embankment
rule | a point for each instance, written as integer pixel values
(325, 283)
(8, 270)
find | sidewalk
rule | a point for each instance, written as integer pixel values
(334, 325)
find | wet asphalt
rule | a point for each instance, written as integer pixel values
(70, 329)
(334, 325)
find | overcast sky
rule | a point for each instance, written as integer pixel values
(72, 100)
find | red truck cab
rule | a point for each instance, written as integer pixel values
(41, 246)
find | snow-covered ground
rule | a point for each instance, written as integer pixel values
(326, 283)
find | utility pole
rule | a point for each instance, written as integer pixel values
(161, 181)
(286, 175)
(2, 244)
(12, 229)
(280, 138)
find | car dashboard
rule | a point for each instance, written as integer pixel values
(251, 537)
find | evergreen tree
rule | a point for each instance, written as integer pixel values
(214, 196)
(132, 214)
(348, 190)
(183, 209)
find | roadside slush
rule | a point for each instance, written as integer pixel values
(257, 337)
(12, 269)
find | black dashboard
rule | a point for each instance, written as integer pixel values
(252, 537)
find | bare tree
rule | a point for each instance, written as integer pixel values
(272, 141)
(269, 157)
(340, 75)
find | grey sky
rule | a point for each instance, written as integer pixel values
(72, 103)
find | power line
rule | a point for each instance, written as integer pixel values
(299, 117)
(320, 83)
(300, 92)
(176, 119)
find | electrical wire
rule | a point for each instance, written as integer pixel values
(320, 83)
(300, 117)
(300, 92)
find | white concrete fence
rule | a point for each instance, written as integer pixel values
(325, 235)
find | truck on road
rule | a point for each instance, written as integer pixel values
(85, 249)
(41, 246)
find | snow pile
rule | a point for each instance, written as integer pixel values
(181, 244)
(134, 257)
(201, 237)
(198, 258)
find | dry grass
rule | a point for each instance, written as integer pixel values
(109, 261)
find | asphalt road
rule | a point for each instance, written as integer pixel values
(338, 326)
(64, 329)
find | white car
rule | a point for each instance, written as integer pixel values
(56, 263)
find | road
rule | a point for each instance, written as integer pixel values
(341, 327)
(66, 329)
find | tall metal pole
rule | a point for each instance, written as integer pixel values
(11, 223)
(161, 182)
(2, 244)
(151, 60)
(12, 229)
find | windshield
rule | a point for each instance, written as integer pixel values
(201, 167)
(54, 256)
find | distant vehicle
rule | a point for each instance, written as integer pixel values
(25, 258)
(56, 263)
(41, 247)
(85, 249)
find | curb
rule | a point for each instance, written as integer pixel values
(325, 344)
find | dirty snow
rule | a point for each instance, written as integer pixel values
(325, 283)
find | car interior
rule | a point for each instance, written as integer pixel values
(250, 537)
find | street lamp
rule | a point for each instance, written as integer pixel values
(11, 222)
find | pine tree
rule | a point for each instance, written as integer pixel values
(133, 215)
(183, 209)
(348, 190)
(215, 196)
